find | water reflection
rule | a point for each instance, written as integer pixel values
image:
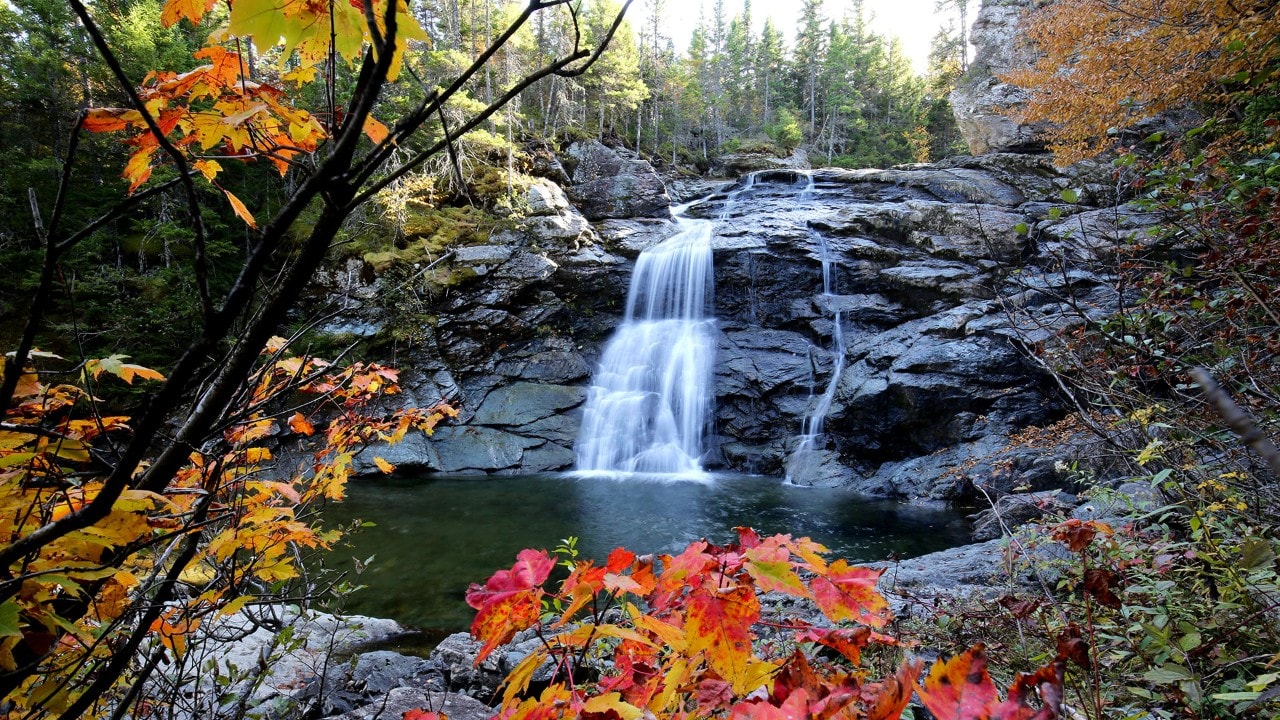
(435, 536)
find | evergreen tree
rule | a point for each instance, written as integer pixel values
(946, 63)
(741, 106)
(770, 71)
(613, 85)
(808, 60)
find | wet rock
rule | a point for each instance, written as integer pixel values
(477, 449)
(944, 184)
(401, 700)
(522, 403)
(632, 236)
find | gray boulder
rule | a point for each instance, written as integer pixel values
(741, 163)
(1018, 509)
(615, 183)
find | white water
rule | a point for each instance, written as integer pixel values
(800, 465)
(651, 400)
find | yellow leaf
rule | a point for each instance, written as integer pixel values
(386, 467)
(240, 210)
(376, 131)
(208, 168)
(193, 10)
(612, 701)
(262, 19)
(138, 169)
(518, 679)
(235, 606)
(300, 76)
(140, 500)
(199, 573)
(283, 569)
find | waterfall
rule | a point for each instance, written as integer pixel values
(650, 403)
(800, 463)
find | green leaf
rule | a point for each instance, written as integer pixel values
(1020, 228)
(1168, 674)
(1069, 195)
(10, 625)
(1256, 554)
(1055, 213)
(1231, 696)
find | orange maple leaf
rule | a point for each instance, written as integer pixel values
(849, 593)
(960, 687)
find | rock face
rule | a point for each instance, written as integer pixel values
(981, 101)
(926, 264)
(938, 273)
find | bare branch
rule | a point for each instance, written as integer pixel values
(1239, 420)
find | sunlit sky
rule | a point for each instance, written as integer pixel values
(913, 21)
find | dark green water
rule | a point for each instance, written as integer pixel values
(435, 536)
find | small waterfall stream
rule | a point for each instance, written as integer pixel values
(650, 402)
(802, 462)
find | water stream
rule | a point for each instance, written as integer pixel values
(650, 403)
(801, 463)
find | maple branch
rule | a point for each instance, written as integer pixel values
(184, 170)
(123, 656)
(1239, 420)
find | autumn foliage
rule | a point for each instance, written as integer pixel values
(701, 634)
(231, 527)
(1107, 65)
(216, 109)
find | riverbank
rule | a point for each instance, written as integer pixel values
(284, 661)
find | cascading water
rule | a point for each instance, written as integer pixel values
(650, 402)
(800, 463)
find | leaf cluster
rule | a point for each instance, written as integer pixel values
(689, 635)
(231, 528)
(1106, 66)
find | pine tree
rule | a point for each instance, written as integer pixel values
(739, 76)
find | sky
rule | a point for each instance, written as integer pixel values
(914, 22)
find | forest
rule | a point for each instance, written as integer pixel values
(175, 174)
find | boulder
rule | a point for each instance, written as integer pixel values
(252, 665)
(1018, 509)
(401, 700)
(615, 183)
(742, 163)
